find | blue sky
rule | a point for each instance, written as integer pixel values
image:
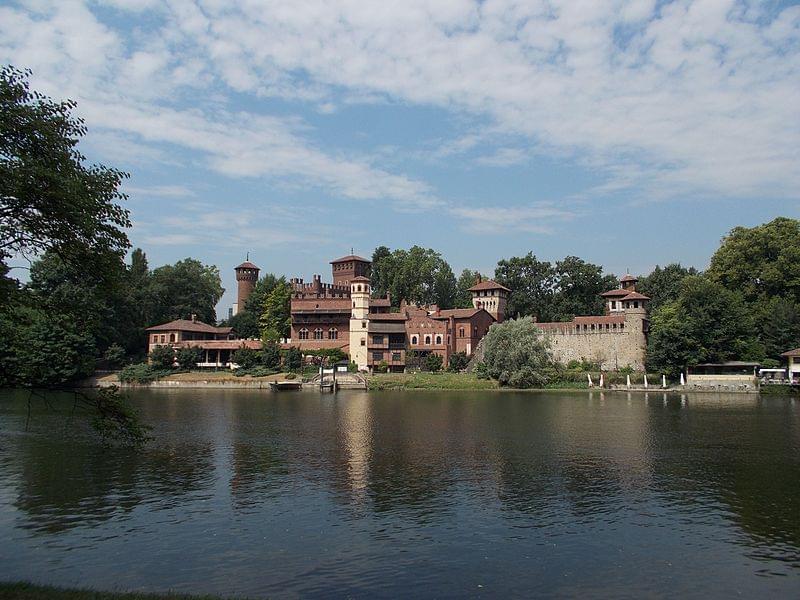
(627, 133)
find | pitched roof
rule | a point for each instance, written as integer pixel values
(380, 302)
(221, 344)
(387, 317)
(458, 313)
(360, 278)
(187, 325)
(636, 296)
(247, 265)
(489, 284)
(628, 277)
(351, 257)
(614, 293)
(792, 353)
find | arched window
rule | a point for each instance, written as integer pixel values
(318, 333)
(303, 333)
(427, 340)
(359, 287)
(438, 339)
(414, 340)
(333, 333)
(171, 337)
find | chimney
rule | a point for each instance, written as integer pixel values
(194, 318)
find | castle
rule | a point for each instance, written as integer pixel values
(343, 315)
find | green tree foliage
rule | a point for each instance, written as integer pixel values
(466, 280)
(49, 199)
(418, 275)
(458, 362)
(761, 262)
(433, 362)
(578, 286)
(777, 324)
(162, 357)
(293, 359)
(188, 357)
(517, 354)
(188, 287)
(276, 316)
(246, 358)
(663, 284)
(532, 285)
(705, 323)
(271, 356)
(245, 323)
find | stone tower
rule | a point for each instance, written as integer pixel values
(246, 279)
(491, 296)
(359, 321)
(347, 268)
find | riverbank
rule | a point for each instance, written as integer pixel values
(429, 381)
(29, 591)
(193, 379)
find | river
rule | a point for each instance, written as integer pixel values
(411, 494)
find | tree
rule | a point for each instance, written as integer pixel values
(578, 286)
(663, 285)
(778, 325)
(433, 362)
(49, 199)
(706, 323)
(293, 359)
(458, 362)
(246, 358)
(276, 316)
(532, 285)
(418, 275)
(162, 357)
(517, 354)
(271, 355)
(466, 280)
(245, 323)
(760, 262)
(188, 287)
(188, 357)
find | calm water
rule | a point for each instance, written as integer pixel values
(412, 494)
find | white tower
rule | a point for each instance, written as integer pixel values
(359, 296)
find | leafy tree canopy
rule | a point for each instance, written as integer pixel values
(276, 316)
(517, 354)
(188, 287)
(466, 280)
(418, 275)
(663, 284)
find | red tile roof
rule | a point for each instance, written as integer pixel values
(636, 296)
(792, 353)
(221, 344)
(614, 293)
(628, 277)
(380, 302)
(488, 285)
(458, 313)
(187, 325)
(349, 258)
(387, 317)
(247, 265)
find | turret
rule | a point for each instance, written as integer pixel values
(246, 279)
(490, 296)
(359, 320)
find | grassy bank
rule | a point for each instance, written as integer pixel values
(429, 381)
(28, 591)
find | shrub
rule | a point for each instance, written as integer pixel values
(246, 358)
(141, 373)
(189, 357)
(433, 362)
(271, 356)
(517, 354)
(162, 357)
(381, 367)
(293, 359)
(352, 367)
(114, 356)
(458, 362)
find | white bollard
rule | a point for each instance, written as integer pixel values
(589, 376)
(664, 381)
(645, 381)
(629, 382)
(683, 381)
(601, 380)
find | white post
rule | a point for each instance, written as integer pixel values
(589, 376)
(664, 381)
(629, 382)
(683, 381)
(601, 380)
(645, 381)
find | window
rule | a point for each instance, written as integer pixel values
(377, 339)
(427, 340)
(414, 340)
(363, 342)
(333, 333)
(438, 339)
(377, 356)
(303, 334)
(363, 324)
(163, 339)
(635, 304)
(171, 337)
(460, 332)
(155, 339)
(318, 334)
(613, 304)
(395, 357)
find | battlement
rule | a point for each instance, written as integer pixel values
(317, 289)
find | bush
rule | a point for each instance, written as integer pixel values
(162, 357)
(141, 373)
(517, 354)
(458, 362)
(381, 367)
(246, 358)
(257, 371)
(293, 359)
(189, 357)
(433, 362)
(114, 356)
(271, 356)
(352, 367)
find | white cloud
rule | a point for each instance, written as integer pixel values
(535, 218)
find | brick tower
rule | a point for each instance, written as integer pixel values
(246, 279)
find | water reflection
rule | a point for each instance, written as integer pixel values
(362, 481)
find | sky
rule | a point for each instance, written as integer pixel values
(627, 133)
